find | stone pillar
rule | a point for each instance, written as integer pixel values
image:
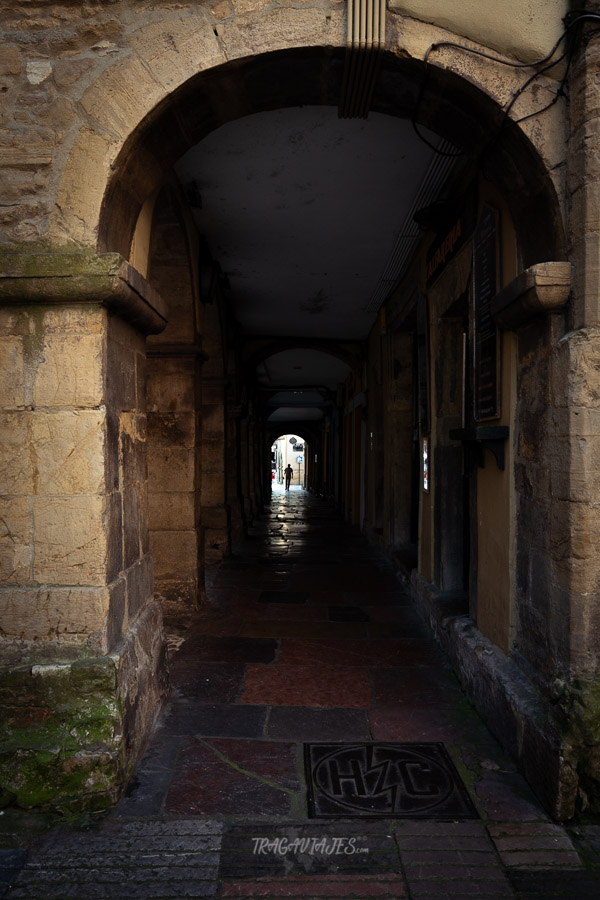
(574, 524)
(215, 512)
(234, 486)
(174, 432)
(82, 644)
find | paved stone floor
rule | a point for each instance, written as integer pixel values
(308, 638)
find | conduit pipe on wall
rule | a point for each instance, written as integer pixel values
(364, 49)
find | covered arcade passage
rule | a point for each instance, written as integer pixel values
(222, 254)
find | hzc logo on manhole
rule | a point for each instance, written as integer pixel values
(384, 779)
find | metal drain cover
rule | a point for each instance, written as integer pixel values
(386, 780)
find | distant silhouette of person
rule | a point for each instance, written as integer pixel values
(288, 476)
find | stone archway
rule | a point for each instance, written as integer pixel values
(180, 78)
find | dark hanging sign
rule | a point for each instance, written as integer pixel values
(486, 337)
(451, 239)
(423, 364)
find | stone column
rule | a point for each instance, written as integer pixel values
(574, 525)
(215, 512)
(174, 448)
(82, 645)
(232, 462)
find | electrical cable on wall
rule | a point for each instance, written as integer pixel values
(571, 20)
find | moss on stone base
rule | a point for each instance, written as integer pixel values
(61, 741)
(578, 712)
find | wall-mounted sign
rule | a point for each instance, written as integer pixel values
(452, 237)
(425, 459)
(486, 335)
(299, 459)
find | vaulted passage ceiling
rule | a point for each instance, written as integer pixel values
(309, 217)
(303, 211)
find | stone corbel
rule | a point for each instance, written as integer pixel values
(542, 288)
(81, 276)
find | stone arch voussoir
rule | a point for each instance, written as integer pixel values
(189, 72)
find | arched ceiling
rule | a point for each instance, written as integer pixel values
(299, 384)
(303, 210)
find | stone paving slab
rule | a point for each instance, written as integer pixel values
(450, 859)
(534, 845)
(11, 862)
(318, 887)
(225, 777)
(551, 884)
(143, 860)
(299, 723)
(252, 850)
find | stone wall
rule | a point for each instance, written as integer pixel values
(77, 612)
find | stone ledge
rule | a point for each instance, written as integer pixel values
(510, 705)
(540, 289)
(81, 276)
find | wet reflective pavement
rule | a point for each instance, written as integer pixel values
(308, 637)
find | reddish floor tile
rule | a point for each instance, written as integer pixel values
(318, 887)
(360, 653)
(225, 649)
(316, 685)
(283, 612)
(396, 613)
(410, 724)
(414, 686)
(398, 631)
(378, 597)
(313, 631)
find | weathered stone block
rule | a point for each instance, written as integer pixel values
(172, 430)
(120, 377)
(170, 511)
(141, 366)
(82, 190)
(10, 64)
(176, 48)
(142, 688)
(114, 535)
(171, 470)
(175, 553)
(70, 540)
(42, 614)
(17, 473)
(121, 97)
(71, 373)
(132, 437)
(279, 28)
(68, 448)
(16, 554)
(213, 490)
(75, 318)
(170, 393)
(116, 620)
(131, 525)
(140, 586)
(11, 372)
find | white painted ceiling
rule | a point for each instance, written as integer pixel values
(302, 211)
